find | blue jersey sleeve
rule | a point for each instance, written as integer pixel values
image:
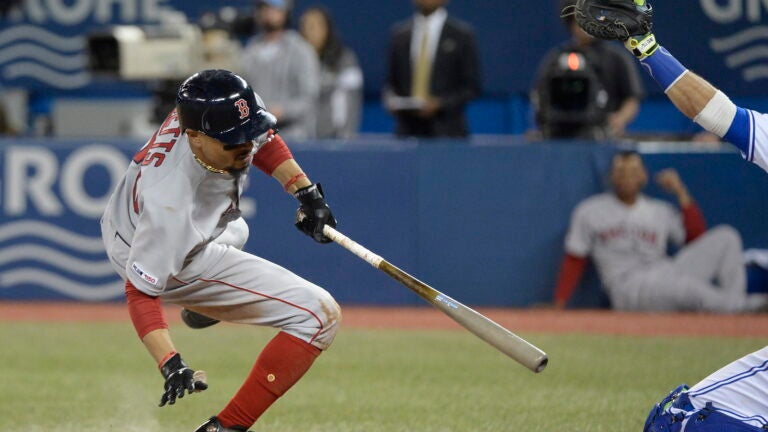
(749, 133)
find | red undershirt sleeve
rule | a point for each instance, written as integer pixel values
(271, 155)
(693, 221)
(146, 311)
(571, 270)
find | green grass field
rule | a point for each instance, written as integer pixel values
(97, 377)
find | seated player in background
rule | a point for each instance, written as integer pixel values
(627, 234)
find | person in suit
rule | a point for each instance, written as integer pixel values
(434, 71)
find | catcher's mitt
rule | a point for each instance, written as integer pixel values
(612, 19)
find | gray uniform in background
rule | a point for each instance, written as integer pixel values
(286, 74)
(629, 247)
(340, 105)
(174, 230)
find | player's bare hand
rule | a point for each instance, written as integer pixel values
(616, 125)
(431, 107)
(670, 181)
(180, 379)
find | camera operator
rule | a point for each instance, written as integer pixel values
(586, 88)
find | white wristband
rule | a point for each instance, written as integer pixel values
(717, 115)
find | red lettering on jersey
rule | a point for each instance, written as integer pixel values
(134, 194)
(242, 105)
(154, 156)
(611, 234)
(164, 138)
(165, 130)
(141, 154)
(637, 233)
(166, 146)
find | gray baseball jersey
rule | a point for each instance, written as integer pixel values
(173, 228)
(621, 238)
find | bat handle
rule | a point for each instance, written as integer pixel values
(352, 246)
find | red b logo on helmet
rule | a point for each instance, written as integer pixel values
(242, 105)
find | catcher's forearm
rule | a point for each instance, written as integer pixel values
(691, 94)
(701, 101)
(694, 96)
(630, 21)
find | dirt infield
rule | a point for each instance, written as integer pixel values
(518, 320)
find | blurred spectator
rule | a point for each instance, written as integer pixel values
(627, 233)
(283, 69)
(5, 122)
(13, 111)
(221, 49)
(434, 71)
(341, 80)
(238, 22)
(7, 5)
(586, 88)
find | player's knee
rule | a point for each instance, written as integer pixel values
(727, 234)
(660, 419)
(317, 325)
(329, 321)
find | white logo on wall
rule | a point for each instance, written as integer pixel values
(746, 49)
(59, 249)
(46, 39)
(35, 252)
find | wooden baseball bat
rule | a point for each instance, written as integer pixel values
(497, 336)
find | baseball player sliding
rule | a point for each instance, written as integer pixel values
(735, 398)
(173, 231)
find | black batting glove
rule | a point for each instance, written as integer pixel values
(314, 213)
(179, 378)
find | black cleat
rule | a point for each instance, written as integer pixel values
(195, 320)
(213, 425)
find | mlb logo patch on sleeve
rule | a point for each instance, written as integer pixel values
(148, 278)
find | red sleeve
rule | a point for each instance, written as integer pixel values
(571, 270)
(271, 155)
(146, 311)
(693, 221)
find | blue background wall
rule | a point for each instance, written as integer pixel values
(484, 222)
(722, 39)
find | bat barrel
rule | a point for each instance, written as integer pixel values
(481, 326)
(497, 336)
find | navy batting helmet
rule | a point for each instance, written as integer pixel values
(223, 106)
